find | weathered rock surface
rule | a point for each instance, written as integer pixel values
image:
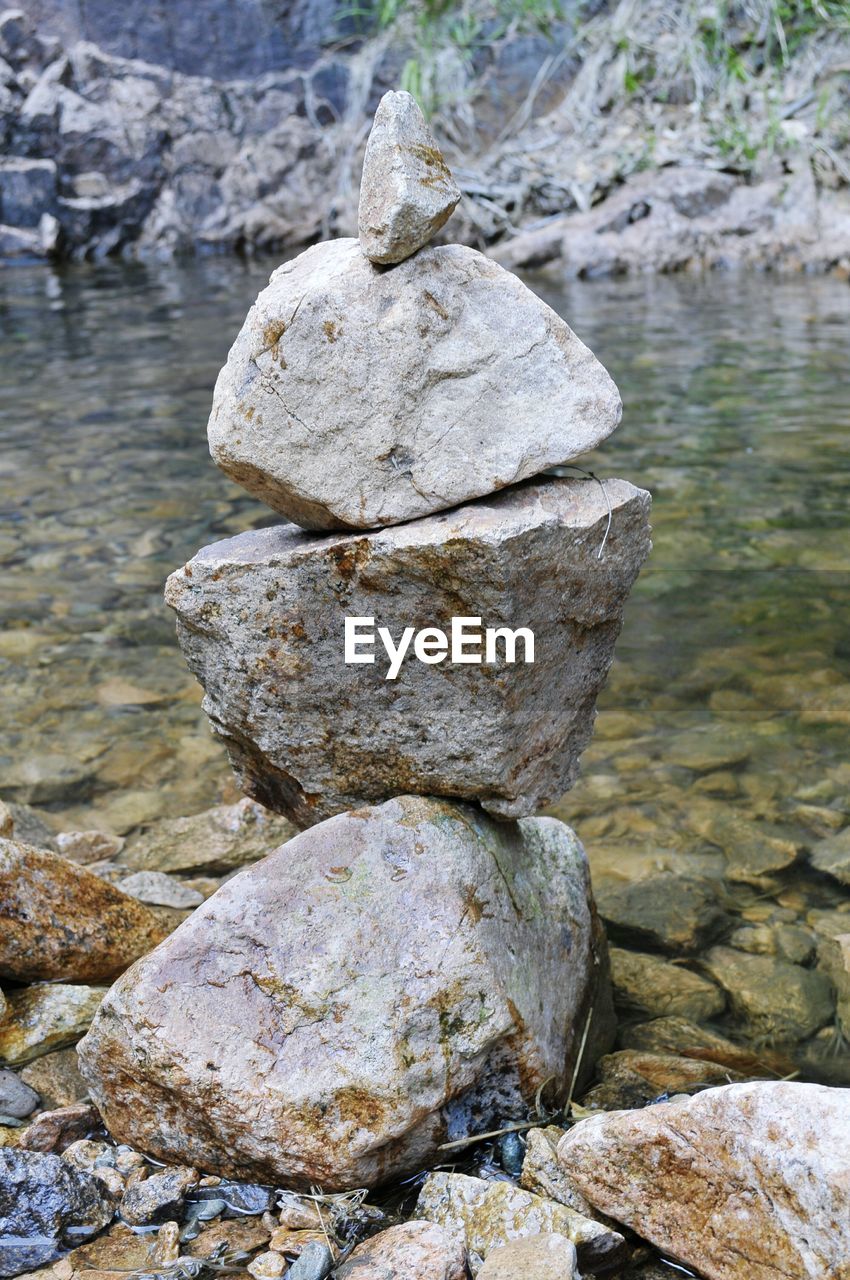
(55, 1131)
(674, 912)
(56, 1077)
(547, 1256)
(17, 1099)
(261, 622)
(544, 1174)
(832, 856)
(40, 1019)
(59, 921)
(356, 397)
(388, 980)
(407, 191)
(632, 1078)
(779, 1001)
(218, 840)
(834, 961)
(744, 1182)
(159, 1197)
(487, 1215)
(679, 1036)
(413, 1250)
(43, 1203)
(88, 846)
(655, 987)
(159, 889)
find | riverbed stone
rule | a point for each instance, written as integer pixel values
(633, 1078)
(743, 1182)
(686, 1039)
(544, 1174)
(407, 191)
(159, 1197)
(42, 1018)
(17, 1099)
(218, 840)
(648, 984)
(777, 1000)
(832, 856)
(357, 397)
(88, 846)
(412, 1250)
(58, 920)
(391, 980)
(834, 961)
(487, 1215)
(547, 1256)
(261, 622)
(55, 1131)
(56, 1077)
(45, 1203)
(160, 890)
(672, 912)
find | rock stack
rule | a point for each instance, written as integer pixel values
(415, 670)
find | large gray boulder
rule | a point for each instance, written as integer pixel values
(261, 620)
(355, 396)
(392, 979)
(407, 191)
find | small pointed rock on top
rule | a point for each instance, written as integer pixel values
(407, 191)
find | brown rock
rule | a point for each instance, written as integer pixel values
(40, 1019)
(88, 846)
(56, 1077)
(54, 1131)
(544, 1174)
(60, 921)
(632, 1078)
(646, 984)
(688, 1040)
(158, 1197)
(744, 1182)
(777, 1000)
(218, 840)
(413, 1250)
(231, 1235)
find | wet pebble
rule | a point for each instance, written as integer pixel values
(315, 1262)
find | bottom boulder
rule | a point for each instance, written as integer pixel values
(391, 979)
(743, 1182)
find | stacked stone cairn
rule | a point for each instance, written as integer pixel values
(425, 955)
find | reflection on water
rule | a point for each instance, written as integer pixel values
(722, 737)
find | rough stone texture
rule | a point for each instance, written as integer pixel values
(489, 1214)
(407, 191)
(745, 1182)
(56, 1077)
(834, 961)
(159, 889)
(88, 846)
(43, 1198)
(356, 397)
(388, 981)
(413, 1250)
(779, 1001)
(655, 987)
(40, 1019)
(60, 921)
(548, 1256)
(261, 623)
(7, 821)
(543, 1173)
(55, 1131)
(673, 912)
(218, 840)
(159, 1197)
(17, 1099)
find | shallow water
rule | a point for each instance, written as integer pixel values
(732, 679)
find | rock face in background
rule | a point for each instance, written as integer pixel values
(745, 1182)
(58, 921)
(389, 980)
(356, 397)
(407, 192)
(261, 621)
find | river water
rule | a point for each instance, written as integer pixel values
(730, 693)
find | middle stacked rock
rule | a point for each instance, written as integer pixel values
(403, 973)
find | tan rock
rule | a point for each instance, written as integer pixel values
(780, 1001)
(7, 822)
(744, 1182)
(231, 1235)
(217, 840)
(489, 1214)
(407, 191)
(686, 1039)
(632, 1078)
(356, 397)
(56, 1077)
(261, 621)
(413, 1250)
(547, 1256)
(647, 984)
(387, 979)
(57, 920)
(544, 1174)
(88, 846)
(41, 1019)
(159, 1196)
(834, 961)
(267, 1266)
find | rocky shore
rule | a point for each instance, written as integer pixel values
(395, 1044)
(573, 148)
